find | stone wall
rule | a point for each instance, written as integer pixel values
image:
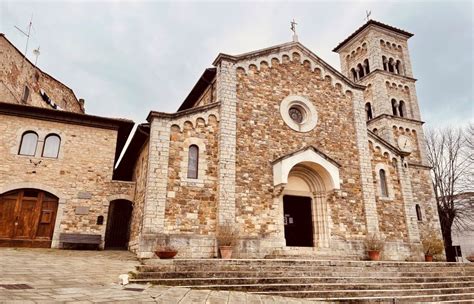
(191, 206)
(16, 73)
(139, 177)
(423, 195)
(391, 208)
(165, 197)
(81, 176)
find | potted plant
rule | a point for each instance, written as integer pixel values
(165, 251)
(226, 237)
(432, 245)
(374, 245)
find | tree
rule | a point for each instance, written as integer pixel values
(450, 153)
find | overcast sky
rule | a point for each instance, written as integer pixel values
(127, 58)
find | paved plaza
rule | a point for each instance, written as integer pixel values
(67, 276)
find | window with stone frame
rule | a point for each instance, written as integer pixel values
(51, 146)
(26, 94)
(383, 183)
(193, 161)
(418, 212)
(29, 141)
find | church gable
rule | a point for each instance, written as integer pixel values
(293, 51)
(264, 131)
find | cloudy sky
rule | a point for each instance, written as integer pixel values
(127, 58)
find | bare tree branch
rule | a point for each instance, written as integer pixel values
(450, 153)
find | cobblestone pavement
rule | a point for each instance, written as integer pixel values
(71, 276)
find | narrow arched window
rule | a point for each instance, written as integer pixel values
(384, 61)
(401, 108)
(366, 65)
(398, 67)
(354, 74)
(383, 183)
(418, 212)
(51, 146)
(360, 69)
(26, 94)
(29, 141)
(368, 111)
(391, 65)
(193, 159)
(394, 107)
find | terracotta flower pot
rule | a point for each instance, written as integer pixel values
(374, 255)
(428, 258)
(166, 254)
(226, 252)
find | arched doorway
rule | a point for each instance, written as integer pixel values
(27, 218)
(117, 233)
(305, 208)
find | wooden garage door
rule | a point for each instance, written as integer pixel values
(27, 218)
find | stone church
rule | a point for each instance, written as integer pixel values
(302, 159)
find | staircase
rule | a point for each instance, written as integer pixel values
(345, 281)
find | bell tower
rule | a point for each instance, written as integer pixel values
(376, 55)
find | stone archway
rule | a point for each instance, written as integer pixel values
(42, 187)
(306, 177)
(305, 196)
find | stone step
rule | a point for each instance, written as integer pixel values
(301, 262)
(449, 298)
(351, 293)
(299, 280)
(320, 269)
(283, 285)
(300, 274)
(320, 279)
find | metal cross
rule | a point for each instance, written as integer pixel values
(368, 13)
(293, 26)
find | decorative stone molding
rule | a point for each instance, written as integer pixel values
(305, 107)
(328, 171)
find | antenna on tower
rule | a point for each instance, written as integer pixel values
(367, 15)
(36, 52)
(27, 36)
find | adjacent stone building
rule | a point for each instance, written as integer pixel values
(56, 173)
(302, 159)
(22, 82)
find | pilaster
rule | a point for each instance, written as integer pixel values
(364, 162)
(407, 194)
(227, 96)
(157, 179)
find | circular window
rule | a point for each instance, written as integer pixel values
(298, 113)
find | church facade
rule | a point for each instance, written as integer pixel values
(300, 158)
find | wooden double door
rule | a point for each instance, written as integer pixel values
(27, 218)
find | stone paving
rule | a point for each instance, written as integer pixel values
(71, 276)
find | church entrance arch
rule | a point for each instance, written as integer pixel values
(305, 208)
